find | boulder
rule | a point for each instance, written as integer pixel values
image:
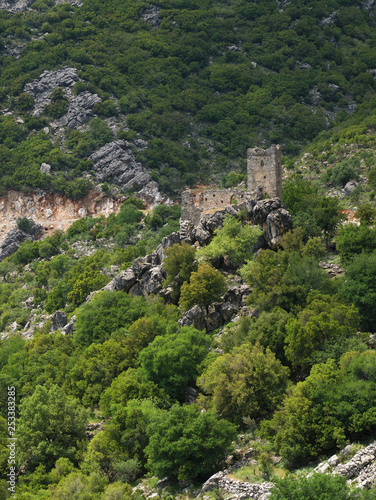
(69, 328)
(350, 187)
(58, 321)
(194, 317)
(16, 236)
(278, 222)
(123, 281)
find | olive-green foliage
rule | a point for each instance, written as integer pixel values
(366, 213)
(352, 240)
(316, 487)
(205, 287)
(345, 171)
(268, 329)
(178, 264)
(324, 319)
(167, 87)
(186, 443)
(284, 280)
(84, 277)
(59, 104)
(171, 361)
(248, 381)
(359, 287)
(106, 313)
(332, 405)
(313, 212)
(234, 240)
(130, 384)
(125, 437)
(51, 425)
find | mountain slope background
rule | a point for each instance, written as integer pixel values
(185, 87)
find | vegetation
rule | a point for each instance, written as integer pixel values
(295, 374)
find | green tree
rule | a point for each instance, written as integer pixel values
(324, 319)
(353, 240)
(315, 487)
(234, 239)
(360, 287)
(106, 313)
(171, 361)
(178, 264)
(188, 444)
(51, 425)
(248, 382)
(206, 286)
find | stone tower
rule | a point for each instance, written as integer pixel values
(264, 169)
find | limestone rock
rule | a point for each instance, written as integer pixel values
(58, 321)
(194, 317)
(278, 223)
(151, 16)
(15, 237)
(80, 108)
(350, 187)
(263, 208)
(45, 168)
(69, 328)
(116, 162)
(14, 6)
(152, 281)
(123, 281)
(239, 489)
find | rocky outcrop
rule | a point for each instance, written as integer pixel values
(14, 6)
(151, 16)
(16, 236)
(81, 107)
(220, 312)
(350, 187)
(239, 490)
(54, 211)
(58, 321)
(116, 162)
(273, 217)
(360, 469)
(69, 328)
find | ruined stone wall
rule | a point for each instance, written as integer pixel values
(264, 169)
(196, 202)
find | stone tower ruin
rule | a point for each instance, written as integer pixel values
(264, 171)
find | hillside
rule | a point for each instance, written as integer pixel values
(177, 91)
(145, 356)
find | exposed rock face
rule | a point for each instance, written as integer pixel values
(239, 489)
(273, 217)
(58, 321)
(350, 187)
(116, 162)
(53, 211)
(14, 6)
(80, 107)
(146, 275)
(69, 328)
(359, 469)
(151, 195)
(194, 317)
(15, 237)
(151, 16)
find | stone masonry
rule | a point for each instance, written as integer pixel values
(264, 169)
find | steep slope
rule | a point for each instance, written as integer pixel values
(187, 86)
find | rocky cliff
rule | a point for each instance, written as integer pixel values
(53, 211)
